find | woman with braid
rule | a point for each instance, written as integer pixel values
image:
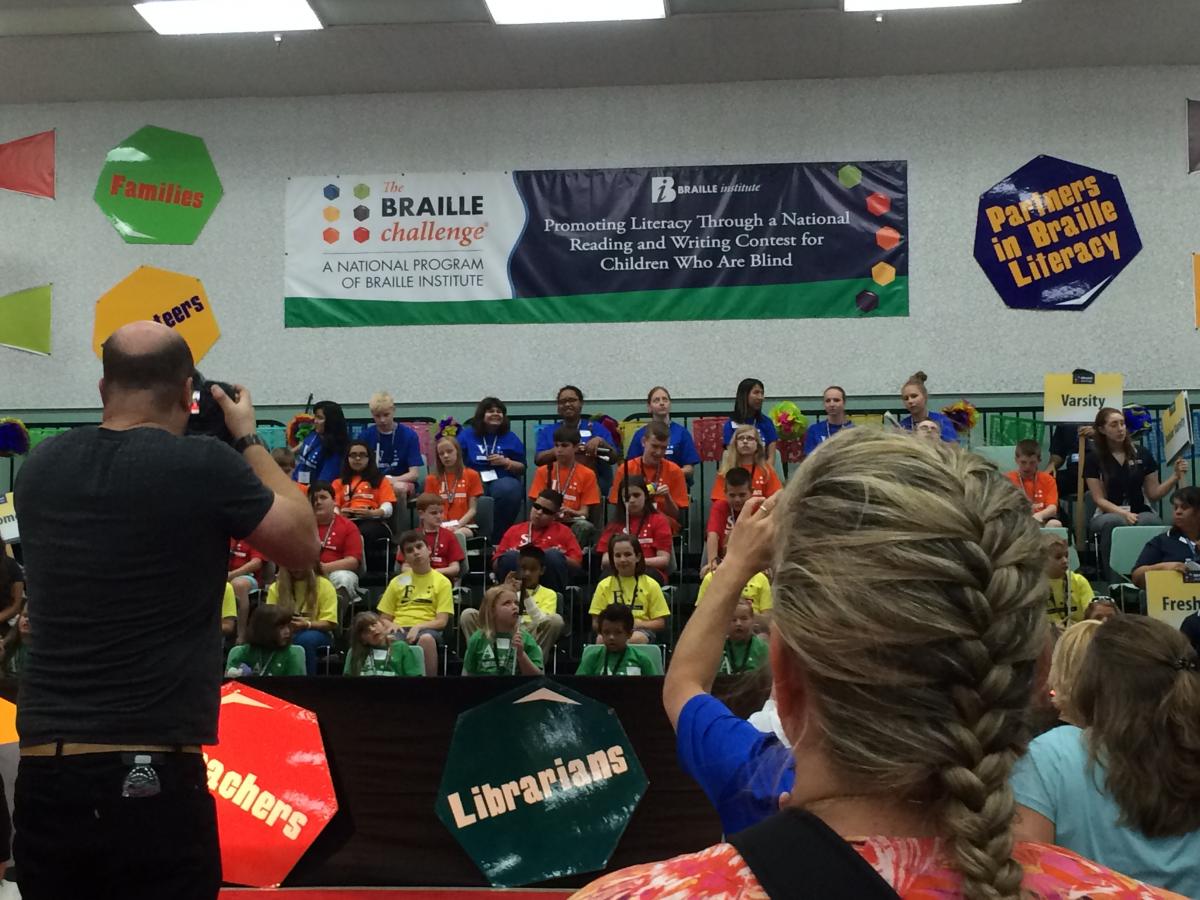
(908, 622)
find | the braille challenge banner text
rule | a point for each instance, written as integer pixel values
(771, 241)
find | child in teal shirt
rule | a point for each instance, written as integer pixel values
(744, 650)
(618, 656)
(268, 649)
(373, 651)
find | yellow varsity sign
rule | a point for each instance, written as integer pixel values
(1177, 426)
(1169, 598)
(1076, 400)
(8, 520)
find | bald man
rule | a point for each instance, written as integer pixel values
(125, 533)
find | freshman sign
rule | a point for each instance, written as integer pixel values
(539, 783)
(791, 240)
(1074, 398)
(1054, 234)
(1169, 598)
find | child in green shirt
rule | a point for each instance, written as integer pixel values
(618, 656)
(373, 651)
(744, 650)
(268, 649)
(493, 650)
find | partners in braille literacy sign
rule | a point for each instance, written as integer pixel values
(1054, 234)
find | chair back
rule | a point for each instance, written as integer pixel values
(1127, 544)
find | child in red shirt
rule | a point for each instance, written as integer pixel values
(650, 527)
(445, 551)
(564, 557)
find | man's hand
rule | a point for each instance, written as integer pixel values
(239, 415)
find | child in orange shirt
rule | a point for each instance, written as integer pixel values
(365, 496)
(665, 481)
(575, 481)
(746, 450)
(458, 485)
(1039, 487)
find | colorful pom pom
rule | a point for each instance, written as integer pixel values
(1137, 419)
(447, 427)
(790, 423)
(14, 438)
(963, 415)
(299, 428)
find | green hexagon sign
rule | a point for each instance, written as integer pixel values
(539, 783)
(158, 187)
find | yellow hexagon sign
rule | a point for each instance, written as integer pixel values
(163, 296)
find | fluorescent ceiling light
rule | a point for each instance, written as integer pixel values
(528, 12)
(889, 5)
(228, 16)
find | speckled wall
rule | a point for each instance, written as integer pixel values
(960, 134)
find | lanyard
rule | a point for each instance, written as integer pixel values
(620, 662)
(450, 492)
(328, 533)
(737, 668)
(657, 473)
(621, 590)
(434, 544)
(510, 662)
(354, 487)
(641, 525)
(264, 668)
(490, 451)
(555, 480)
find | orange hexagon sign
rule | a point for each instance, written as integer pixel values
(172, 298)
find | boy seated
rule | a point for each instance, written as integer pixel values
(244, 576)
(1040, 487)
(744, 650)
(564, 558)
(445, 552)
(418, 602)
(539, 604)
(1068, 593)
(575, 481)
(665, 481)
(722, 515)
(285, 458)
(618, 656)
(341, 543)
(396, 447)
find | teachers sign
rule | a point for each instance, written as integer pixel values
(1054, 234)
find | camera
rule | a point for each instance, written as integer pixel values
(207, 419)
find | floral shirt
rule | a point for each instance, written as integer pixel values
(916, 867)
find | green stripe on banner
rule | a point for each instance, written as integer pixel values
(814, 300)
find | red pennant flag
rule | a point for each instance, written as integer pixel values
(27, 165)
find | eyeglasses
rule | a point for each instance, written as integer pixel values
(542, 509)
(358, 455)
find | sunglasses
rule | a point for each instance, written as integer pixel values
(546, 510)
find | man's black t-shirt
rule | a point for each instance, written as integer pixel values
(12, 575)
(126, 538)
(1122, 484)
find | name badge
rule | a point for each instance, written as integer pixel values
(379, 655)
(482, 457)
(405, 579)
(585, 434)
(633, 670)
(503, 643)
(488, 475)
(304, 477)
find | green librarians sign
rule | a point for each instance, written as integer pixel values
(158, 187)
(539, 783)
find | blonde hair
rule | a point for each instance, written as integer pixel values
(381, 400)
(909, 586)
(487, 610)
(285, 597)
(1066, 664)
(729, 459)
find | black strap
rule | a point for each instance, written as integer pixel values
(794, 855)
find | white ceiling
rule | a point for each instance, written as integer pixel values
(70, 50)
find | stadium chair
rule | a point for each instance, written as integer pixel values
(1127, 544)
(418, 654)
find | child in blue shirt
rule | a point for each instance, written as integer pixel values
(681, 449)
(492, 449)
(597, 449)
(747, 410)
(396, 447)
(320, 455)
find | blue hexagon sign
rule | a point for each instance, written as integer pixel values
(1054, 234)
(539, 783)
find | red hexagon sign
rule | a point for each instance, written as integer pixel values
(270, 779)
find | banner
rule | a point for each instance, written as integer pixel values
(1074, 398)
(25, 319)
(1176, 428)
(1171, 599)
(553, 792)
(600, 245)
(9, 532)
(1054, 234)
(27, 165)
(159, 295)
